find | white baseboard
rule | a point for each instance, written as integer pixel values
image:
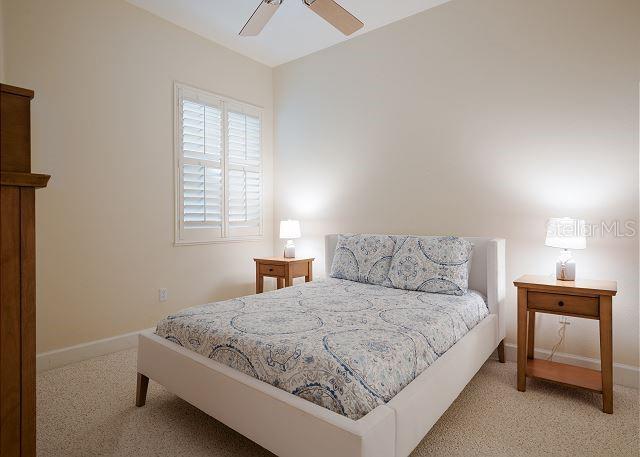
(624, 375)
(60, 357)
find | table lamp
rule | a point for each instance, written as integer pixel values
(288, 231)
(565, 233)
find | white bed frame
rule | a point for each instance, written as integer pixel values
(289, 426)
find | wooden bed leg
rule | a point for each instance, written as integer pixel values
(501, 351)
(141, 390)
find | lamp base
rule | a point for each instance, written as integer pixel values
(290, 250)
(565, 267)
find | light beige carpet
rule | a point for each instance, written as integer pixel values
(87, 409)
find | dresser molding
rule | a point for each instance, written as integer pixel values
(17, 275)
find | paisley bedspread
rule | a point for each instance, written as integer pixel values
(343, 345)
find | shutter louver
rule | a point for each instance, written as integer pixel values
(244, 139)
(244, 175)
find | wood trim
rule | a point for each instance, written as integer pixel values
(623, 375)
(21, 91)
(282, 260)
(531, 333)
(563, 313)
(28, 320)
(141, 390)
(10, 338)
(606, 353)
(501, 357)
(259, 280)
(567, 375)
(14, 178)
(578, 287)
(522, 339)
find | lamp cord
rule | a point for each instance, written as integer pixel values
(561, 333)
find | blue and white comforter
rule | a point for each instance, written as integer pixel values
(343, 345)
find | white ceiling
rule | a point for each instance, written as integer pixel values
(293, 32)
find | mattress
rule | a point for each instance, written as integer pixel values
(343, 345)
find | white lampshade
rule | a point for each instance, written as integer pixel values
(566, 233)
(289, 229)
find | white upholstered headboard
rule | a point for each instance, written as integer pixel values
(487, 275)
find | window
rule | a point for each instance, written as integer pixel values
(218, 168)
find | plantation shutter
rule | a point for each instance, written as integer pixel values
(218, 168)
(202, 167)
(244, 174)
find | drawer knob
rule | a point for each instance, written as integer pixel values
(271, 269)
(560, 303)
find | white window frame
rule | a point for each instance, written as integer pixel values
(189, 236)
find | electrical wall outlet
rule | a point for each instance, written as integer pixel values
(163, 295)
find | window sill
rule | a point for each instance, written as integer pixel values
(250, 239)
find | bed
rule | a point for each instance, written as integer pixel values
(331, 367)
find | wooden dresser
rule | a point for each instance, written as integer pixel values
(17, 275)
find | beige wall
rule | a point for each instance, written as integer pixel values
(103, 73)
(475, 118)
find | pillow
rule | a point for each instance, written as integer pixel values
(432, 264)
(363, 258)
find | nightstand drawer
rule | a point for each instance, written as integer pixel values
(271, 270)
(565, 304)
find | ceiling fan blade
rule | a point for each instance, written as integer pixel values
(260, 17)
(335, 15)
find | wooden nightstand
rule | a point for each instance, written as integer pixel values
(283, 269)
(582, 298)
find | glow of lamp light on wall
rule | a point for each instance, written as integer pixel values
(562, 175)
(308, 204)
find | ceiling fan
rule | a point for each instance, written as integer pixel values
(329, 10)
